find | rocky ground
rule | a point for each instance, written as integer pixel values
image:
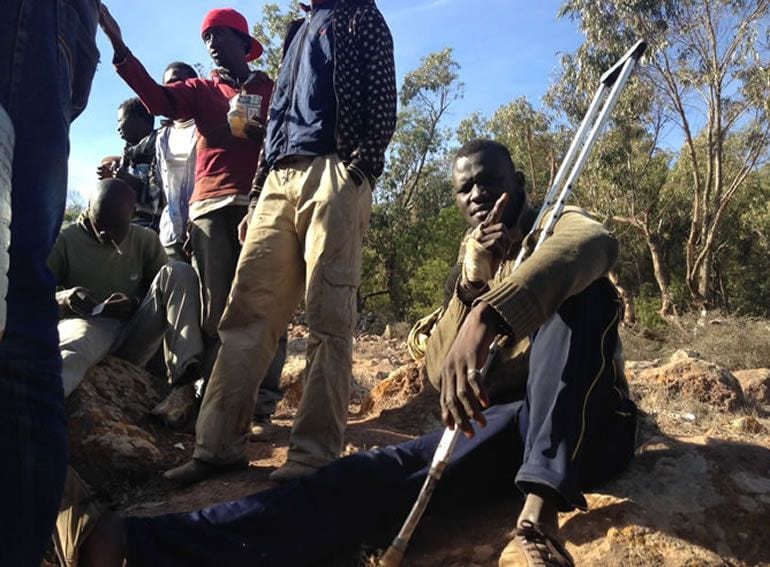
(698, 492)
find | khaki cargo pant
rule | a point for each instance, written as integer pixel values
(304, 236)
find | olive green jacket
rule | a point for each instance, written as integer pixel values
(580, 251)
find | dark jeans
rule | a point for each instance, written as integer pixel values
(575, 429)
(47, 59)
(215, 249)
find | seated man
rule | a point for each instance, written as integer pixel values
(120, 296)
(557, 316)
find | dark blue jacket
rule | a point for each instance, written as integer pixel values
(364, 85)
(303, 110)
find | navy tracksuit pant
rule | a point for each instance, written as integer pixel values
(575, 429)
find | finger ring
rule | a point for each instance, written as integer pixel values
(474, 372)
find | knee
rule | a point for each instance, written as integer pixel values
(177, 274)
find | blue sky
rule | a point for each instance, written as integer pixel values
(506, 49)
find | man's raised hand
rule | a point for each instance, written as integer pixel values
(493, 235)
(487, 247)
(112, 31)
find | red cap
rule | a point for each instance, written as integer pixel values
(229, 18)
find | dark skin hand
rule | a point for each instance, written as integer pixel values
(462, 394)
(187, 246)
(493, 234)
(255, 129)
(113, 33)
(78, 300)
(118, 306)
(243, 227)
(108, 167)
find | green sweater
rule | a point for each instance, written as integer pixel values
(580, 251)
(78, 259)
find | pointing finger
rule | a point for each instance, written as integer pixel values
(496, 214)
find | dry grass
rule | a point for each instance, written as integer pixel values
(735, 343)
(642, 344)
(685, 415)
(731, 342)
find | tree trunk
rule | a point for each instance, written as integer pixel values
(629, 307)
(705, 287)
(661, 274)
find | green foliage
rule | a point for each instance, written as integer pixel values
(270, 30)
(406, 242)
(438, 74)
(743, 260)
(528, 135)
(472, 127)
(75, 206)
(648, 306)
(427, 285)
(705, 77)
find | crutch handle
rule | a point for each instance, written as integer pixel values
(611, 75)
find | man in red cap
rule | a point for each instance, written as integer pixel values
(226, 156)
(332, 115)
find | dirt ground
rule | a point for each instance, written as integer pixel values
(698, 492)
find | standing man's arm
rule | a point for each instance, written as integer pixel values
(156, 173)
(379, 111)
(177, 101)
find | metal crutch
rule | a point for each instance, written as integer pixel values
(610, 87)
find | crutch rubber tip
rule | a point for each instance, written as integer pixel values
(392, 558)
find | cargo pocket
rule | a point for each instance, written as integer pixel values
(78, 54)
(332, 306)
